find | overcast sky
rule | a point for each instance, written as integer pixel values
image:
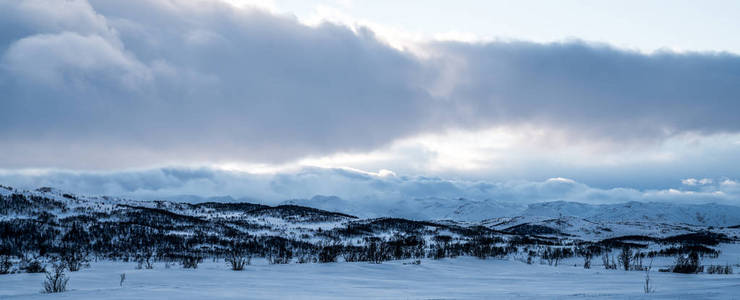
(638, 96)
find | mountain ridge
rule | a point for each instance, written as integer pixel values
(471, 210)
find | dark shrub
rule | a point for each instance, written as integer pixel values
(35, 266)
(687, 265)
(717, 269)
(237, 260)
(625, 257)
(56, 280)
(191, 262)
(5, 264)
(328, 254)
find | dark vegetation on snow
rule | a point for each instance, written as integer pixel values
(532, 229)
(37, 230)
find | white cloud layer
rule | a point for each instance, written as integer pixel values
(383, 188)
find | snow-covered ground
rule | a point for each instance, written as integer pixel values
(461, 278)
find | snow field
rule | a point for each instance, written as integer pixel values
(460, 278)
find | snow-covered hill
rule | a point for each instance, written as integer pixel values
(470, 210)
(299, 217)
(52, 223)
(696, 214)
(430, 208)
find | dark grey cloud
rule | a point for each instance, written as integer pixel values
(596, 89)
(202, 82)
(136, 83)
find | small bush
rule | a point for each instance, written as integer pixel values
(718, 269)
(609, 265)
(56, 279)
(328, 254)
(74, 260)
(35, 266)
(625, 257)
(5, 264)
(687, 265)
(144, 261)
(587, 261)
(280, 255)
(191, 262)
(530, 256)
(237, 260)
(305, 258)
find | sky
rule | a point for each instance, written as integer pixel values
(628, 100)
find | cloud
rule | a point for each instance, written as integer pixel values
(694, 181)
(689, 181)
(112, 84)
(358, 187)
(75, 57)
(594, 89)
(259, 86)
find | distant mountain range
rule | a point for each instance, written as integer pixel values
(306, 220)
(461, 209)
(468, 210)
(709, 214)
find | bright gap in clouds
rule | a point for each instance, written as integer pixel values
(642, 25)
(526, 153)
(268, 5)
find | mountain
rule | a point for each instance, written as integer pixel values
(430, 208)
(470, 210)
(52, 223)
(331, 203)
(710, 214)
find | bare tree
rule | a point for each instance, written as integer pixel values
(237, 260)
(530, 256)
(328, 254)
(280, 254)
(56, 279)
(609, 265)
(605, 261)
(144, 259)
(191, 262)
(637, 261)
(5, 264)
(552, 255)
(648, 288)
(74, 258)
(625, 258)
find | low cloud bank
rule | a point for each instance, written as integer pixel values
(355, 187)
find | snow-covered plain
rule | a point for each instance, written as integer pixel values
(460, 278)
